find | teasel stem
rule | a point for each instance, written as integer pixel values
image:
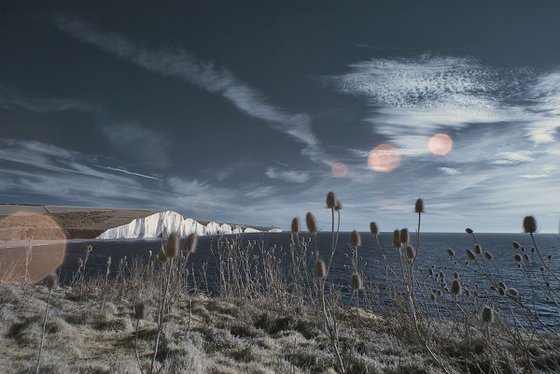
(160, 315)
(38, 370)
(547, 267)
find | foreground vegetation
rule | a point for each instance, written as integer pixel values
(278, 311)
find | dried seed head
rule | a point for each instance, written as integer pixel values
(431, 272)
(488, 256)
(477, 249)
(320, 269)
(501, 291)
(331, 200)
(517, 258)
(141, 310)
(51, 281)
(190, 244)
(419, 206)
(451, 252)
(471, 255)
(513, 293)
(108, 262)
(338, 205)
(172, 245)
(515, 245)
(468, 230)
(455, 275)
(356, 282)
(311, 223)
(502, 285)
(355, 239)
(410, 252)
(487, 315)
(373, 228)
(89, 248)
(455, 287)
(397, 238)
(295, 225)
(529, 225)
(404, 235)
(150, 253)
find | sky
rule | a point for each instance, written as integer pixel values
(251, 111)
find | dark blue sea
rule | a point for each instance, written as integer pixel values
(433, 253)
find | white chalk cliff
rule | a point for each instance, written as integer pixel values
(164, 223)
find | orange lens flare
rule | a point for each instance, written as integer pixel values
(384, 158)
(440, 144)
(20, 261)
(339, 170)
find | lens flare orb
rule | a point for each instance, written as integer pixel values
(440, 144)
(384, 158)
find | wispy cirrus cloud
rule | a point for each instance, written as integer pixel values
(292, 176)
(178, 63)
(12, 99)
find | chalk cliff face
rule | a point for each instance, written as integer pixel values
(164, 223)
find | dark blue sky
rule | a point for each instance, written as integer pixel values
(251, 111)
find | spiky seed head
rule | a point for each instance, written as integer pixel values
(468, 230)
(373, 228)
(141, 310)
(295, 225)
(455, 287)
(161, 256)
(410, 252)
(488, 256)
(397, 238)
(355, 239)
(89, 248)
(470, 255)
(311, 223)
(356, 282)
(501, 291)
(513, 293)
(331, 200)
(190, 244)
(320, 269)
(80, 263)
(455, 275)
(404, 235)
(150, 254)
(451, 252)
(515, 245)
(108, 262)
(51, 281)
(172, 245)
(487, 315)
(338, 205)
(502, 285)
(529, 225)
(477, 249)
(517, 258)
(431, 272)
(419, 206)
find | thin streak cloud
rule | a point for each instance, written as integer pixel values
(206, 75)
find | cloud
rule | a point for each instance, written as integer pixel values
(292, 176)
(206, 75)
(12, 99)
(130, 172)
(449, 171)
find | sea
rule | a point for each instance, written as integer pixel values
(433, 253)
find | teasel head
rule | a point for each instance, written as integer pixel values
(108, 262)
(355, 239)
(89, 248)
(513, 293)
(419, 206)
(488, 256)
(141, 310)
(471, 255)
(515, 245)
(529, 225)
(331, 200)
(172, 245)
(410, 252)
(469, 231)
(338, 206)
(320, 269)
(373, 228)
(455, 286)
(451, 252)
(311, 223)
(190, 244)
(295, 225)
(356, 282)
(517, 258)
(487, 315)
(150, 254)
(51, 281)
(477, 249)
(404, 235)
(397, 238)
